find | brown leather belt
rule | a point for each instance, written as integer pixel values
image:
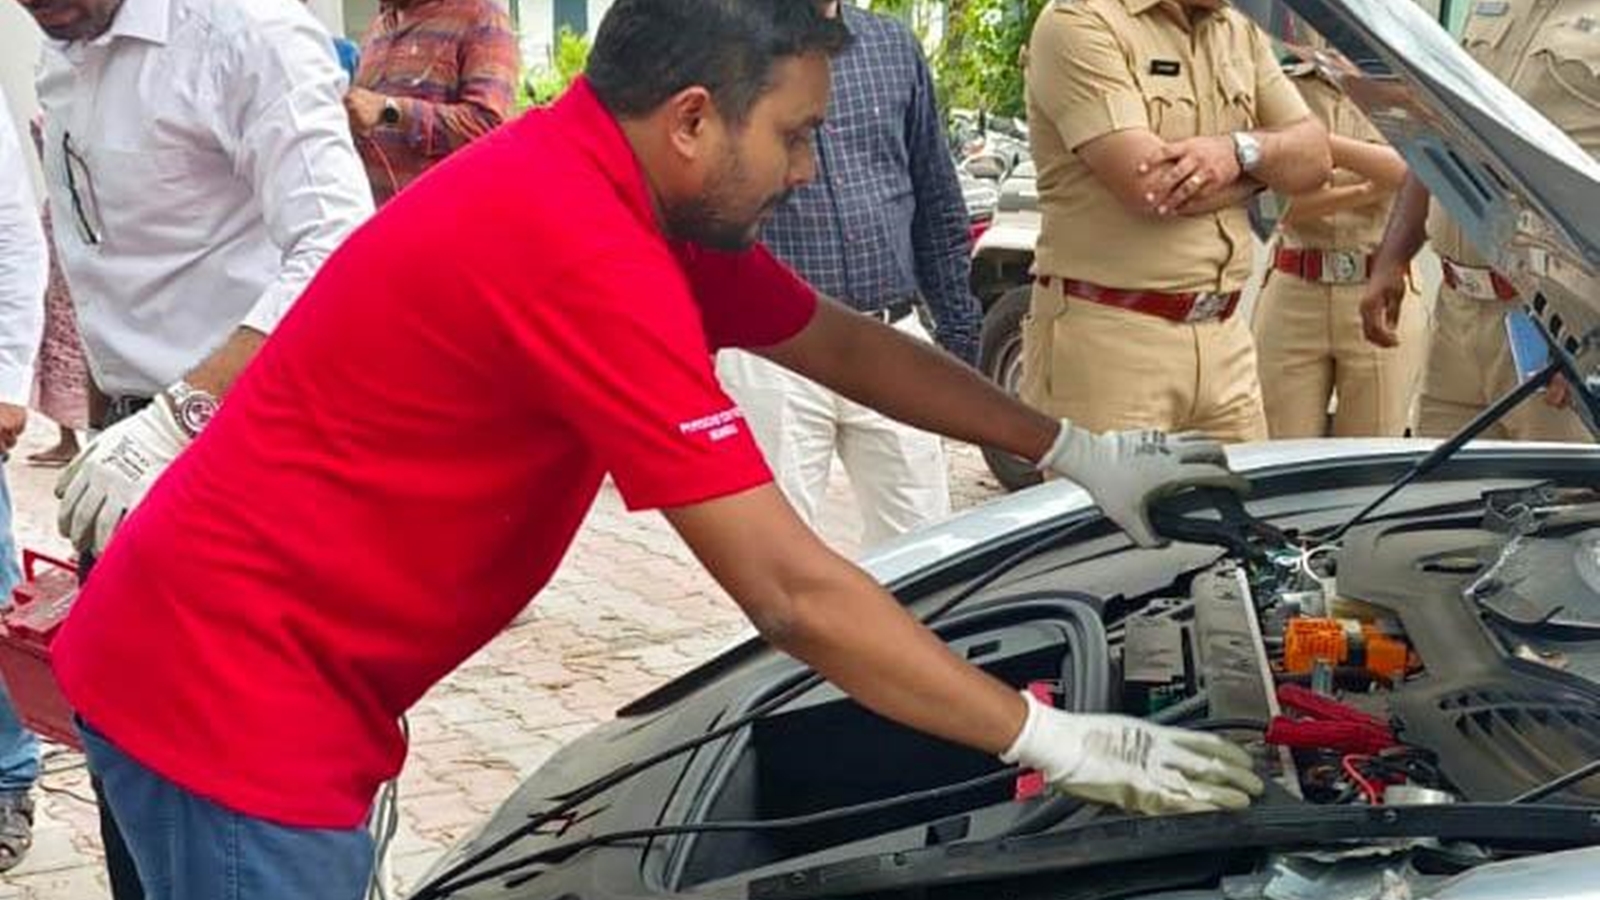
(1476, 282)
(1188, 308)
(1324, 266)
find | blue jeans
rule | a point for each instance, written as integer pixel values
(188, 848)
(19, 749)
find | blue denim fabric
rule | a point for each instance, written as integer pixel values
(19, 749)
(188, 848)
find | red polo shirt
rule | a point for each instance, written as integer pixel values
(406, 462)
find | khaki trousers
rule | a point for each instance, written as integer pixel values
(899, 474)
(1114, 369)
(1470, 366)
(1310, 348)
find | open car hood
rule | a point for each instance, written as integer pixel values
(1523, 191)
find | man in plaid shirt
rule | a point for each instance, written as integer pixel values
(434, 74)
(884, 229)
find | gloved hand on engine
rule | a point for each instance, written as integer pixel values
(1125, 471)
(1132, 764)
(113, 471)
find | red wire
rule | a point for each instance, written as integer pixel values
(388, 170)
(1368, 789)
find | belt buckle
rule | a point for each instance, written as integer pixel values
(1207, 305)
(1476, 283)
(1343, 267)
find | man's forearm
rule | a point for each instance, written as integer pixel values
(908, 380)
(1407, 230)
(1294, 159)
(809, 602)
(1318, 205)
(1378, 163)
(217, 372)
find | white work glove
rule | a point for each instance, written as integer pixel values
(1133, 764)
(1125, 471)
(113, 471)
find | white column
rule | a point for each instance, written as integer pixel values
(597, 11)
(330, 13)
(538, 17)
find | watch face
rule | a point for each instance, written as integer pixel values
(195, 412)
(1248, 150)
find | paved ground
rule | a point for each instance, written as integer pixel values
(629, 609)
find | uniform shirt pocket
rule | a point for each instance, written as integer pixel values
(1485, 33)
(1237, 95)
(1568, 53)
(1169, 104)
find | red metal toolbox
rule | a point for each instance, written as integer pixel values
(38, 607)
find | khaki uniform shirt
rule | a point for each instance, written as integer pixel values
(1100, 66)
(1351, 229)
(1548, 51)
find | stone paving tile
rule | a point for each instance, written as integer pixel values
(629, 609)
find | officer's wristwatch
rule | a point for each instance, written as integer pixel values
(391, 112)
(191, 407)
(1247, 150)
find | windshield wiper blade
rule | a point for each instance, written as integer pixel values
(1164, 837)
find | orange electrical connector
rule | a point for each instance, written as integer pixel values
(1344, 642)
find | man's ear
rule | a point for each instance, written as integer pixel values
(690, 115)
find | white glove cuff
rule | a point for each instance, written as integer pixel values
(1025, 737)
(1058, 447)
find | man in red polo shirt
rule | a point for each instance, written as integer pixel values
(328, 548)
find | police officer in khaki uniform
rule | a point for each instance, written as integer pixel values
(1152, 123)
(1309, 341)
(1548, 51)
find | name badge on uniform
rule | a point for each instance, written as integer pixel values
(1167, 67)
(1492, 8)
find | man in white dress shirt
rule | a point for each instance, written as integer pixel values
(23, 270)
(199, 158)
(201, 161)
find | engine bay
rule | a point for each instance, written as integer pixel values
(1419, 693)
(1422, 660)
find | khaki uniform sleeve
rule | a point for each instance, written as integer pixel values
(1078, 75)
(1278, 101)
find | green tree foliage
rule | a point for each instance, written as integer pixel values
(569, 60)
(979, 65)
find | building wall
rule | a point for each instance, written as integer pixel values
(538, 28)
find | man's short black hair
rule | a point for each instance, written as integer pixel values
(648, 50)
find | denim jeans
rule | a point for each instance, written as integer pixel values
(19, 749)
(188, 848)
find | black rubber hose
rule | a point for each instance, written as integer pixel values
(1090, 661)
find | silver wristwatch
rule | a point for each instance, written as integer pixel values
(1247, 150)
(191, 407)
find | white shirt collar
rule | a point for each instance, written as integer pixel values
(145, 20)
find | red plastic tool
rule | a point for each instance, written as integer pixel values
(1326, 724)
